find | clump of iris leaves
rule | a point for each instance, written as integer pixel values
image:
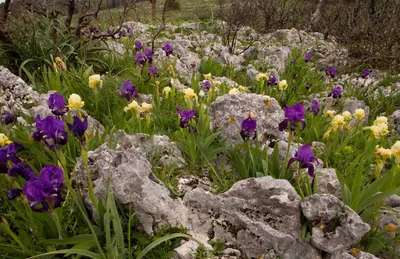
(33, 226)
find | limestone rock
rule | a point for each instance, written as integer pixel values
(191, 182)
(186, 250)
(335, 226)
(328, 182)
(393, 201)
(228, 111)
(251, 72)
(340, 255)
(352, 105)
(318, 147)
(346, 255)
(395, 120)
(257, 216)
(16, 94)
(157, 149)
(275, 56)
(132, 183)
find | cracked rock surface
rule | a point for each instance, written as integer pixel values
(336, 227)
(228, 111)
(257, 216)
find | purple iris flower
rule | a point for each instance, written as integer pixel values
(272, 81)
(294, 115)
(109, 31)
(149, 55)
(52, 177)
(122, 33)
(153, 71)
(94, 30)
(207, 85)
(366, 73)
(249, 127)
(140, 58)
(7, 117)
(45, 192)
(13, 193)
(57, 104)
(138, 45)
(294, 62)
(186, 116)
(331, 72)
(8, 153)
(167, 47)
(35, 193)
(128, 90)
(23, 170)
(193, 65)
(78, 128)
(305, 157)
(336, 93)
(314, 107)
(307, 57)
(51, 131)
(128, 29)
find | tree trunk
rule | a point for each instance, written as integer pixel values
(316, 15)
(70, 13)
(153, 9)
(372, 7)
(6, 12)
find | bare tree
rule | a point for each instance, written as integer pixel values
(153, 9)
(6, 11)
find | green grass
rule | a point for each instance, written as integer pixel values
(190, 11)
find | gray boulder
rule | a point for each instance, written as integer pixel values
(228, 111)
(252, 72)
(393, 201)
(352, 105)
(328, 182)
(256, 216)
(275, 56)
(346, 255)
(132, 183)
(158, 150)
(395, 120)
(18, 96)
(335, 226)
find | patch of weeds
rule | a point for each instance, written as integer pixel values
(169, 176)
(163, 250)
(201, 253)
(389, 80)
(211, 66)
(218, 246)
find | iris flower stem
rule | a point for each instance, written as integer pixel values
(76, 200)
(90, 189)
(85, 217)
(298, 178)
(63, 161)
(291, 134)
(96, 99)
(140, 125)
(54, 215)
(15, 237)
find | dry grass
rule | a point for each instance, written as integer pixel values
(190, 11)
